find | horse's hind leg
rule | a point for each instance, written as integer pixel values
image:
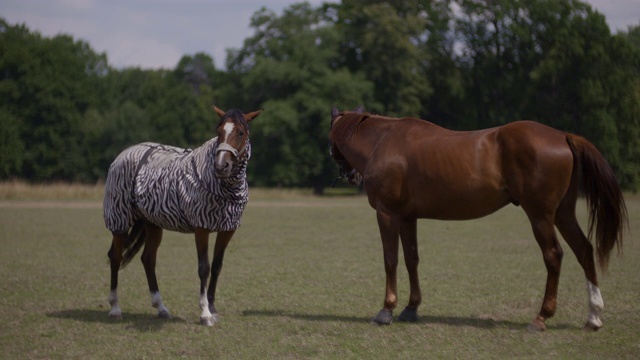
(582, 248)
(154, 237)
(115, 259)
(545, 235)
(202, 247)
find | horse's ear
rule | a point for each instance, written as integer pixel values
(334, 112)
(218, 111)
(252, 115)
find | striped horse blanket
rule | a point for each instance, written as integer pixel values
(174, 188)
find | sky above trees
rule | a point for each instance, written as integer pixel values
(154, 34)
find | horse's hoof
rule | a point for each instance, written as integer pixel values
(115, 315)
(164, 314)
(591, 327)
(537, 325)
(408, 315)
(207, 321)
(384, 317)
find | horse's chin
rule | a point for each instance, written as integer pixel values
(222, 175)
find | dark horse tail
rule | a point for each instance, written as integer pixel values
(132, 244)
(607, 210)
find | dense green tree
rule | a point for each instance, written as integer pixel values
(555, 62)
(11, 145)
(289, 68)
(584, 82)
(383, 39)
(197, 70)
(47, 86)
(465, 64)
(444, 75)
(153, 105)
(491, 36)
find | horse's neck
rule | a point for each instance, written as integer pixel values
(204, 158)
(365, 139)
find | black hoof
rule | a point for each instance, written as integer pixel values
(384, 317)
(408, 315)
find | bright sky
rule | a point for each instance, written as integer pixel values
(157, 33)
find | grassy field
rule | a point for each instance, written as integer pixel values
(302, 278)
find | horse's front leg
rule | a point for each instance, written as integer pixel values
(202, 246)
(409, 238)
(222, 240)
(152, 243)
(389, 234)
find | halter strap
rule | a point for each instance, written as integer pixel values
(226, 147)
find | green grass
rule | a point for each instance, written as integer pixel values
(302, 278)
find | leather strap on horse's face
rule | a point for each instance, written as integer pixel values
(237, 154)
(226, 147)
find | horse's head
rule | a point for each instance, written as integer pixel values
(233, 137)
(347, 171)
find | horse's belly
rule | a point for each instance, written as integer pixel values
(158, 200)
(462, 206)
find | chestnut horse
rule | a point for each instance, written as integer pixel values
(415, 169)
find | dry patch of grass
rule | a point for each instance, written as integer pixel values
(20, 190)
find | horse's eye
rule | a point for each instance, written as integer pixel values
(240, 133)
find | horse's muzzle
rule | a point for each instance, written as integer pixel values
(354, 177)
(223, 165)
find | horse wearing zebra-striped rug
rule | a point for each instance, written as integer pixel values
(151, 187)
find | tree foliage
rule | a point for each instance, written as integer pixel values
(464, 64)
(289, 67)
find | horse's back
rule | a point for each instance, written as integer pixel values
(121, 186)
(434, 172)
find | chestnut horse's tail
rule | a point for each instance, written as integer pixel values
(607, 210)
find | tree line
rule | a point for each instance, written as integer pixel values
(65, 113)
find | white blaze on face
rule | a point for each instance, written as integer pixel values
(595, 304)
(228, 130)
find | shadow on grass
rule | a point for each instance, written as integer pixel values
(139, 322)
(308, 317)
(480, 323)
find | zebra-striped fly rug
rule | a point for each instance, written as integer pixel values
(174, 188)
